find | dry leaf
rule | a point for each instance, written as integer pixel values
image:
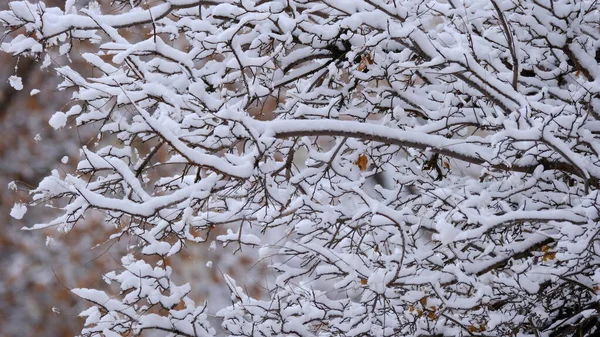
(363, 281)
(362, 66)
(365, 60)
(423, 301)
(362, 162)
(549, 256)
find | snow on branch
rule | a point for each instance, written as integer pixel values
(403, 168)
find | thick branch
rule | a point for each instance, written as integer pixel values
(461, 149)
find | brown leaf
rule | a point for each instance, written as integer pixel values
(549, 256)
(362, 66)
(362, 162)
(365, 60)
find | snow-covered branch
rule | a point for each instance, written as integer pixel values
(405, 168)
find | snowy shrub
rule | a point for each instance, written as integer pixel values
(406, 168)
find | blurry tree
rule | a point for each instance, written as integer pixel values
(407, 168)
(32, 272)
